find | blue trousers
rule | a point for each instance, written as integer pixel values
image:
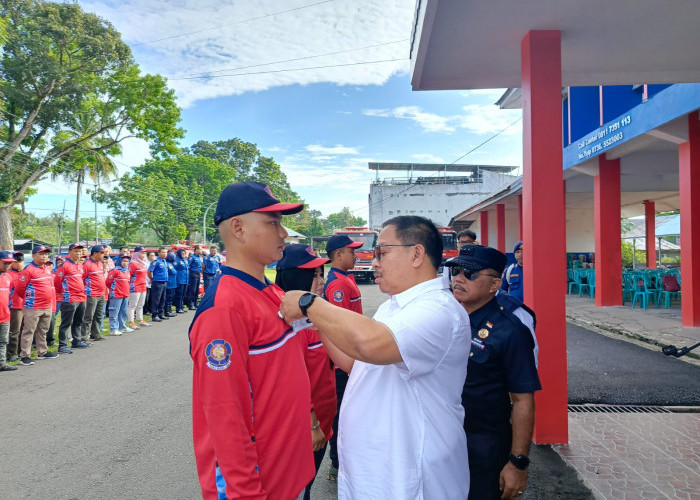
(117, 313)
(180, 293)
(169, 298)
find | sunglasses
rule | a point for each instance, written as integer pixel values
(470, 275)
(378, 249)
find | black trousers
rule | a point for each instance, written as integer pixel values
(318, 458)
(180, 293)
(341, 380)
(71, 317)
(488, 454)
(193, 290)
(158, 289)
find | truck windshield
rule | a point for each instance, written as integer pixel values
(449, 241)
(369, 240)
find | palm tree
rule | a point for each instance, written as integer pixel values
(91, 159)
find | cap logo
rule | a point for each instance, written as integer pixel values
(310, 251)
(269, 191)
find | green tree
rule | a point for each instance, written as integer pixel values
(342, 219)
(627, 251)
(59, 61)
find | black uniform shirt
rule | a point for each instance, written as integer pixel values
(500, 362)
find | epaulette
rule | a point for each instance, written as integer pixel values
(510, 304)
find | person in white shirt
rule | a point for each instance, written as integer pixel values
(401, 433)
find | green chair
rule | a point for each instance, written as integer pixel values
(642, 290)
(670, 289)
(586, 282)
(576, 280)
(627, 285)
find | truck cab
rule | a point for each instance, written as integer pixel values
(363, 270)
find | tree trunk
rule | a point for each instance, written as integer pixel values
(77, 207)
(6, 231)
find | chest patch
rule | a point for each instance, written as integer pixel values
(478, 344)
(218, 354)
(338, 296)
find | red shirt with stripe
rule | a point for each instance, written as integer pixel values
(118, 283)
(36, 285)
(94, 278)
(250, 393)
(69, 282)
(322, 380)
(16, 301)
(341, 290)
(5, 285)
(139, 274)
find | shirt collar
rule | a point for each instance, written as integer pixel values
(246, 278)
(404, 298)
(338, 271)
(476, 317)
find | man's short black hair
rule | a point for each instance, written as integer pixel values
(468, 233)
(413, 230)
(332, 253)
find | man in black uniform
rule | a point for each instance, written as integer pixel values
(501, 369)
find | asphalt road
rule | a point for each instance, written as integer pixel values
(113, 421)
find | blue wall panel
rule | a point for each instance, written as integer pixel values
(585, 110)
(618, 99)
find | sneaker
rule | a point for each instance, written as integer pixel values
(143, 323)
(7, 368)
(96, 339)
(64, 349)
(156, 319)
(26, 362)
(80, 345)
(13, 358)
(134, 326)
(128, 330)
(181, 311)
(116, 333)
(48, 355)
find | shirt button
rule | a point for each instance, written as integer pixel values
(471, 354)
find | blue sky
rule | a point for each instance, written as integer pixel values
(321, 125)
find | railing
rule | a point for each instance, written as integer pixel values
(399, 181)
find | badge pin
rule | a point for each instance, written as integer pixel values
(489, 324)
(483, 333)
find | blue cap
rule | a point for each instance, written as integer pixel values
(138, 248)
(518, 244)
(340, 241)
(75, 245)
(478, 257)
(299, 256)
(19, 256)
(97, 249)
(6, 256)
(243, 197)
(40, 249)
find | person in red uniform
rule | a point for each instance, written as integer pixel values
(138, 267)
(16, 305)
(69, 283)
(35, 284)
(301, 269)
(5, 284)
(250, 387)
(342, 291)
(94, 281)
(117, 283)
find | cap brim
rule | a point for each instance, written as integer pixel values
(9, 261)
(44, 251)
(284, 208)
(312, 264)
(355, 244)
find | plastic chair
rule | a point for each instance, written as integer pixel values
(576, 279)
(586, 277)
(627, 285)
(671, 289)
(642, 290)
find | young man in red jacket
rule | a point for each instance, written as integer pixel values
(16, 305)
(35, 284)
(5, 284)
(251, 400)
(94, 282)
(69, 283)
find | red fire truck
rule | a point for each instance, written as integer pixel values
(363, 270)
(449, 243)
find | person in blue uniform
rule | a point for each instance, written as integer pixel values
(512, 281)
(158, 273)
(501, 378)
(183, 278)
(171, 287)
(195, 263)
(210, 267)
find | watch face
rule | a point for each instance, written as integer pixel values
(306, 300)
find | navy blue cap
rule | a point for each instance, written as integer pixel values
(298, 256)
(40, 249)
(6, 256)
(138, 248)
(97, 249)
(243, 197)
(340, 241)
(75, 245)
(518, 245)
(19, 256)
(478, 257)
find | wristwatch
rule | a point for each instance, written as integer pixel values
(521, 461)
(305, 301)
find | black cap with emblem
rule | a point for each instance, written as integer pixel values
(478, 257)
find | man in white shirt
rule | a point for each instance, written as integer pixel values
(401, 434)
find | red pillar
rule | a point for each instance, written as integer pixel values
(520, 217)
(650, 234)
(501, 227)
(608, 250)
(544, 226)
(484, 224)
(689, 170)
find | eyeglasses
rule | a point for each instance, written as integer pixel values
(470, 275)
(378, 249)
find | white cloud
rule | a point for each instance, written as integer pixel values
(335, 150)
(478, 119)
(245, 37)
(428, 158)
